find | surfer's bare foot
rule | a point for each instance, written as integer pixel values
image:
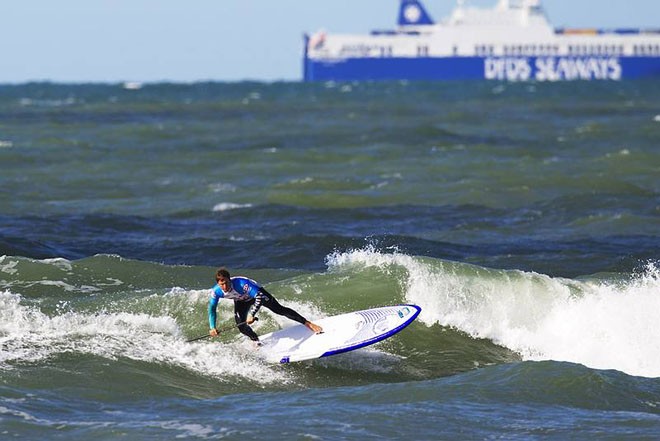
(316, 329)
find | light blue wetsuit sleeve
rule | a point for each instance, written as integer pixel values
(213, 305)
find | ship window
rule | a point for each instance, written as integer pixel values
(484, 49)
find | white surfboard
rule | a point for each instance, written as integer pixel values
(341, 333)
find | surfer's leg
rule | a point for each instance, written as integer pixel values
(240, 314)
(271, 303)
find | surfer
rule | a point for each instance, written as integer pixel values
(248, 297)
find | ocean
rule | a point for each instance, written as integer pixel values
(523, 218)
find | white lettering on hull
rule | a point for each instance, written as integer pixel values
(552, 68)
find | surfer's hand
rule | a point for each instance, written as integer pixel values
(213, 332)
(250, 320)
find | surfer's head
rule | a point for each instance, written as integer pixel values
(223, 278)
(222, 273)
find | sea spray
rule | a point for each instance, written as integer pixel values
(610, 325)
(29, 336)
(605, 324)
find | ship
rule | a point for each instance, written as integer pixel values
(512, 41)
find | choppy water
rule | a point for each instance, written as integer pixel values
(523, 218)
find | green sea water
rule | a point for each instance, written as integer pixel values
(524, 219)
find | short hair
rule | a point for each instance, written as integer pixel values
(222, 273)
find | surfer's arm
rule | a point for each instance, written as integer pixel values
(213, 306)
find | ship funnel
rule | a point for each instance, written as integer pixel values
(412, 13)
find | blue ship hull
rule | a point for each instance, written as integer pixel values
(480, 68)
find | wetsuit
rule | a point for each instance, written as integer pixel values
(248, 296)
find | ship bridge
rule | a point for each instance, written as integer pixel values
(505, 13)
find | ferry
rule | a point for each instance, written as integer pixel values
(512, 41)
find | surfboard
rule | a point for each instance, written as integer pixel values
(341, 333)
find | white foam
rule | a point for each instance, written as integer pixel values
(609, 326)
(226, 206)
(601, 324)
(59, 262)
(8, 267)
(27, 336)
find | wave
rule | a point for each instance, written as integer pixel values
(29, 337)
(604, 322)
(120, 309)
